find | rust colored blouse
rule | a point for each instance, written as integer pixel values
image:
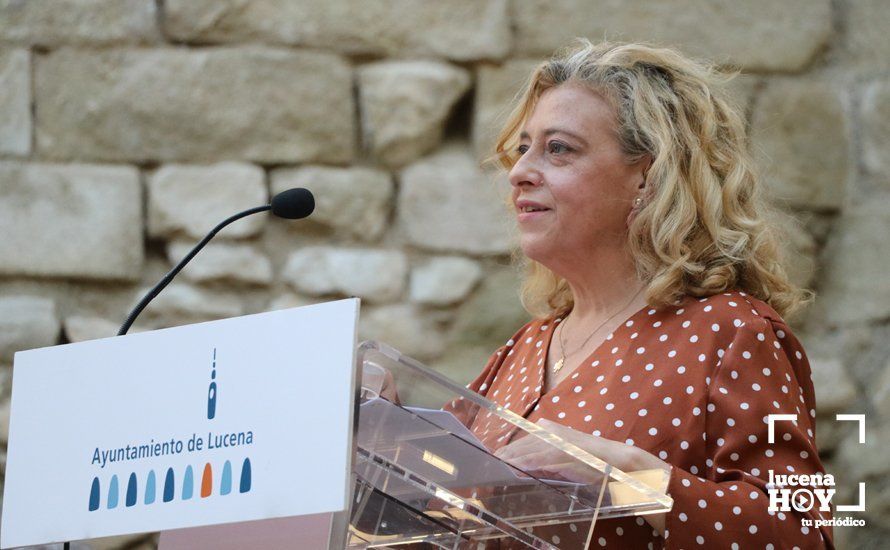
(692, 384)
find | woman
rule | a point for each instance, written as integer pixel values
(658, 293)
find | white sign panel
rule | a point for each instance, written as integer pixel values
(233, 420)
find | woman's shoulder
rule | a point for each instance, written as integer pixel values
(733, 308)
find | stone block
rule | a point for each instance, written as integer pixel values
(15, 102)
(875, 118)
(404, 106)
(192, 200)
(834, 386)
(459, 29)
(53, 23)
(854, 286)
(373, 275)
(492, 314)
(70, 220)
(221, 261)
(865, 43)
(354, 201)
(79, 328)
(26, 322)
(444, 280)
(260, 104)
(881, 397)
(759, 35)
(448, 203)
(182, 303)
(403, 327)
(802, 141)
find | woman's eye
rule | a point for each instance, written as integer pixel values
(522, 149)
(557, 147)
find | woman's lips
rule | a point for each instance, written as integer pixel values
(523, 216)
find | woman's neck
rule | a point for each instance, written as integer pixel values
(605, 288)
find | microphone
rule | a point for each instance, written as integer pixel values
(293, 204)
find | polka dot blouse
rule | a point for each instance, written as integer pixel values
(692, 384)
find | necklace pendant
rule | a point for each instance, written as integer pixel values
(559, 364)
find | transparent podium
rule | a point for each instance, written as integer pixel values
(421, 475)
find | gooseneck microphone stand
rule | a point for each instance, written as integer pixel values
(162, 284)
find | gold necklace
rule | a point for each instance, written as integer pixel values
(562, 346)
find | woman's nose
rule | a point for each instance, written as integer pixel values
(524, 172)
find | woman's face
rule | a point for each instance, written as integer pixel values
(571, 167)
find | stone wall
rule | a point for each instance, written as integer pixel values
(128, 128)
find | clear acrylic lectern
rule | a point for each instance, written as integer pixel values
(421, 475)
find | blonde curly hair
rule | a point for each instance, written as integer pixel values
(702, 228)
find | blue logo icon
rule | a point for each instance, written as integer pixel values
(211, 391)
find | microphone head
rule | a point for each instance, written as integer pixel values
(293, 204)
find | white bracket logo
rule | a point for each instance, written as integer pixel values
(771, 419)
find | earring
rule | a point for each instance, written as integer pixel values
(638, 202)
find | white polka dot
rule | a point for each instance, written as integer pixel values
(718, 526)
(634, 395)
(649, 366)
(752, 529)
(675, 421)
(702, 503)
(684, 445)
(693, 338)
(737, 510)
(641, 350)
(578, 389)
(683, 517)
(657, 383)
(643, 412)
(653, 431)
(746, 354)
(667, 400)
(555, 399)
(715, 327)
(588, 418)
(619, 423)
(686, 323)
(662, 455)
(681, 369)
(625, 378)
